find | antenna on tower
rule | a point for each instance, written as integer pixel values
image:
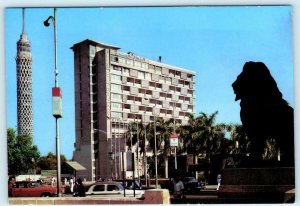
(23, 20)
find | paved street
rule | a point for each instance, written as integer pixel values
(208, 195)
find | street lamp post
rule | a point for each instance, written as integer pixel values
(137, 151)
(145, 156)
(155, 152)
(174, 124)
(56, 102)
(115, 149)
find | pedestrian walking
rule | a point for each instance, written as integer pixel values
(218, 181)
(71, 185)
(11, 185)
(52, 182)
(80, 188)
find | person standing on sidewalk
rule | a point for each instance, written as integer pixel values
(218, 181)
(178, 189)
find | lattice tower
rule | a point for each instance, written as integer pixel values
(24, 85)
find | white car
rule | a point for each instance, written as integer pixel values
(111, 188)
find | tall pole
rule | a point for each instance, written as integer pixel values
(174, 124)
(137, 150)
(119, 150)
(57, 118)
(111, 156)
(55, 49)
(56, 102)
(130, 136)
(145, 156)
(155, 152)
(115, 150)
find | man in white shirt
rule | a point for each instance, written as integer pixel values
(178, 189)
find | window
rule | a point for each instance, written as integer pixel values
(112, 188)
(168, 80)
(141, 75)
(137, 81)
(129, 62)
(99, 188)
(158, 70)
(92, 50)
(171, 73)
(151, 68)
(125, 70)
(116, 105)
(116, 68)
(144, 65)
(161, 79)
(147, 75)
(116, 96)
(122, 60)
(116, 77)
(115, 87)
(116, 114)
(114, 59)
(137, 64)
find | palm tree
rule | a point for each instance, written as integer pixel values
(163, 131)
(240, 141)
(203, 135)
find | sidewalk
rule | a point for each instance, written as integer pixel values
(210, 187)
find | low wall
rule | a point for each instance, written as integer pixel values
(153, 196)
(257, 185)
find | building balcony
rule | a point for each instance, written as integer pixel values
(115, 72)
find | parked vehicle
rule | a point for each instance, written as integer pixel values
(201, 184)
(130, 184)
(33, 189)
(112, 189)
(190, 184)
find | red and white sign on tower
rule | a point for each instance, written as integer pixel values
(56, 102)
(173, 140)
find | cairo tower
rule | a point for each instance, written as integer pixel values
(24, 83)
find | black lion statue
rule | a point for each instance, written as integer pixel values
(264, 113)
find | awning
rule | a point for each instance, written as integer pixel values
(75, 165)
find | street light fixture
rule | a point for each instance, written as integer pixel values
(46, 22)
(56, 102)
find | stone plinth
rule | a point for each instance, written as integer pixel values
(153, 196)
(257, 185)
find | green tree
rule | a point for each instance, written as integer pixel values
(49, 161)
(22, 154)
(202, 135)
(240, 143)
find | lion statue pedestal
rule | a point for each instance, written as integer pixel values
(257, 185)
(265, 116)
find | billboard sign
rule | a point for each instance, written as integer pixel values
(173, 140)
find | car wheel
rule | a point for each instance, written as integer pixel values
(46, 195)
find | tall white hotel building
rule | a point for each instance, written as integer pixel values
(112, 89)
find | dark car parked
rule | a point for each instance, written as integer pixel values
(190, 185)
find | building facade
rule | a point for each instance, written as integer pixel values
(24, 84)
(113, 89)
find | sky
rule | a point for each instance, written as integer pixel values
(213, 41)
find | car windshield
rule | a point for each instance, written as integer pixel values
(190, 179)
